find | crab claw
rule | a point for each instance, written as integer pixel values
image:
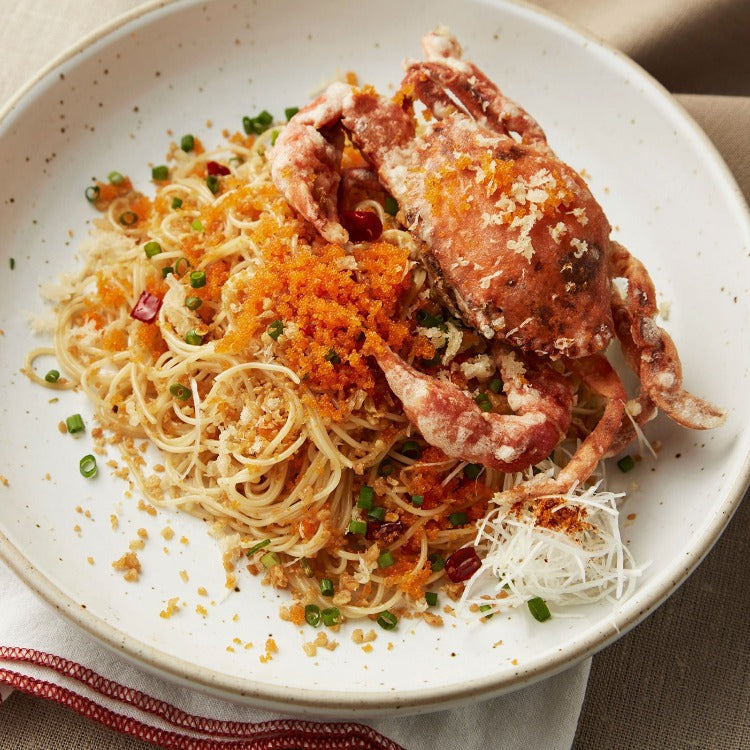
(449, 419)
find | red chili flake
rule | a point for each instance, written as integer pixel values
(147, 307)
(462, 564)
(363, 226)
(213, 167)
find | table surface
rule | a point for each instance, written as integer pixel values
(680, 679)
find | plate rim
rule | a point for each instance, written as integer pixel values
(351, 704)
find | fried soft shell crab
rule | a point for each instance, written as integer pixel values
(515, 245)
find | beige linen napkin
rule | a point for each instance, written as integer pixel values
(43, 655)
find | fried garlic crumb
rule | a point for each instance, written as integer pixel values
(167, 533)
(184, 575)
(130, 565)
(358, 636)
(114, 522)
(172, 607)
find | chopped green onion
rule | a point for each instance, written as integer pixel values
(626, 464)
(386, 467)
(128, 218)
(411, 449)
(74, 423)
(274, 136)
(332, 357)
(193, 338)
(116, 178)
(289, 112)
(378, 513)
(431, 598)
(331, 616)
(181, 266)
(152, 248)
(391, 205)
(486, 608)
(166, 271)
(385, 559)
(437, 561)
(87, 466)
(258, 124)
(52, 376)
(176, 202)
(482, 400)
(269, 560)
(472, 471)
(193, 303)
(304, 563)
(213, 184)
(539, 609)
(92, 193)
(187, 142)
(358, 527)
(197, 224)
(326, 587)
(458, 519)
(312, 615)
(496, 385)
(387, 620)
(366, 497)
(417, 500)
(12, 263)
(275, 329)
(197, 279)
(180, 391)
(160, 173)
(257, 546)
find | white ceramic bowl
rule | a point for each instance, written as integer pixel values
(114, 99)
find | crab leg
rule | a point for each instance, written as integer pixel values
(449, 419)
(652, 353)
(445, 71)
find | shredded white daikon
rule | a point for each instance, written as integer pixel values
(522, 559)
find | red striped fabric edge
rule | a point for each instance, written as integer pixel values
(278, 734)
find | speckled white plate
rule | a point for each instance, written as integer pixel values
(112, 103)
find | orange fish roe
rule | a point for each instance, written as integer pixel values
(329, 312)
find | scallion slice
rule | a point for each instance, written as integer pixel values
(326, 587)
(366, 497)
(431, 598)
(289, 112)
(410, 448)
(496, 385)
(387, 620)
(193, 303)
(166, 270)
(213, 184)
(87, 466)
(52, 376)
(358, 527)
(74, 423)
(386, 467)
(458, 519)
(482, 400)
(331, 616)
(176, 202)
(187, 142)
(180, 391)
(539, 609)
(417, 500)
(197, 279)
(275, 329)
(160, 172)
(385, 559)
(391, 205)
(626, 464)
(181, 266)
(128, 218)
(152, 248)
(378, 513)
(312, 615)
(193, 338)
(197, 225)
(116, 178)
(92, 193)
